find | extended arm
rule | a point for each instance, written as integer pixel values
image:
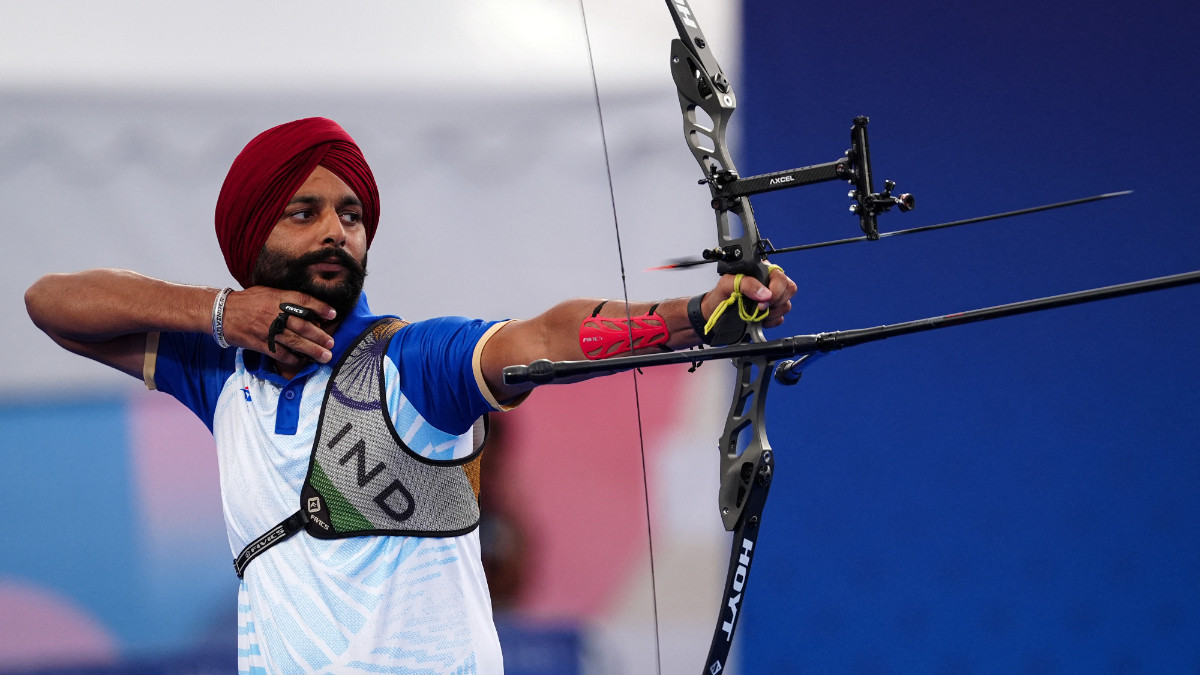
(554, 334)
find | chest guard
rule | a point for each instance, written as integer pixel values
(362, 478)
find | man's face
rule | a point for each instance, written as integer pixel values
(319, 244)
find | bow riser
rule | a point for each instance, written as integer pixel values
(737, 233)
(744, 439)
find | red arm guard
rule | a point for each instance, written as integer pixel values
(601, 337)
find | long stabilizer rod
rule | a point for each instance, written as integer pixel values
(544, 371)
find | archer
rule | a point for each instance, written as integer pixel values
(291, 374)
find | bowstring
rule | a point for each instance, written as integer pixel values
(612, 198)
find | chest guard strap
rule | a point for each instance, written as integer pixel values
(362, 478)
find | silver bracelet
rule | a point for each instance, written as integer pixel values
(218, 318)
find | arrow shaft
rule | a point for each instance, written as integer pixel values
(954, 223)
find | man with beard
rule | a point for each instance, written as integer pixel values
(294, 220)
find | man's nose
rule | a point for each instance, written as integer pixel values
(332, 229)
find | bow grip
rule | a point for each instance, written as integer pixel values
(731, 327)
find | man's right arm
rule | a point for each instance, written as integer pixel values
(105, 314)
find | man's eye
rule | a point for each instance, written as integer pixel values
(302, 214)
(352, 217)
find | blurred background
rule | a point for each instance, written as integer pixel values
(1015, 496)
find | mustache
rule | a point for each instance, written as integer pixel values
(323, 255)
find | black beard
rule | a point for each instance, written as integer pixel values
(276, 270)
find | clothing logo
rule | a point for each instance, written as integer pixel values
(314, 504)
(685, 14)
(246, 392)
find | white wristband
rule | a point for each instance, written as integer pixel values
(218, 318)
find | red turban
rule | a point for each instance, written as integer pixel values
(267, 174)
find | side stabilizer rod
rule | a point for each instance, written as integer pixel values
(544, 371)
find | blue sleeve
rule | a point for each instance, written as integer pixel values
(193, 369)
(436, 370)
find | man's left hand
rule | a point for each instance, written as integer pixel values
(775, 296)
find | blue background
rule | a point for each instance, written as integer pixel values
(87, 498)
(1012, 496)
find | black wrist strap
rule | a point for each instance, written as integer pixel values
(696, 318)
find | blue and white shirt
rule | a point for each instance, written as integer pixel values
(363, 604)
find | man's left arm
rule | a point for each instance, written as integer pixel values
(555, 334)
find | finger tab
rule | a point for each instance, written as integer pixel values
(298, 311)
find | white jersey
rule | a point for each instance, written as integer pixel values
(374, 604)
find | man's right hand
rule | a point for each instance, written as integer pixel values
(250, 313)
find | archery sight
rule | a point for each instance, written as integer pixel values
(703, 87)
(854, 168)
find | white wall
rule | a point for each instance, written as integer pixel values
(118, 121)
